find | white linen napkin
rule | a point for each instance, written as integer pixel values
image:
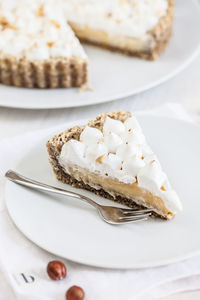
(23, 264)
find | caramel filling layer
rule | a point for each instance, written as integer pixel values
(101, 37)
(131, 191)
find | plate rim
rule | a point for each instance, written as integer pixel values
(160, 262)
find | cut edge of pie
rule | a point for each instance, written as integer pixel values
(131, 194)
(160, 36)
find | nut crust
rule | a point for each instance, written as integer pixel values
(53, 73)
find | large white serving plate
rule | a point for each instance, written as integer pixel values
(114, 76)
(73, 230)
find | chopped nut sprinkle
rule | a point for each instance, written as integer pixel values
(151, 162)
(3, 22)
(109, 15)
(163, 188)
(10, 26)
(50, 44)
(35, 45)
(40, 11)
(55, 23)
(100, 159)
(129, 2)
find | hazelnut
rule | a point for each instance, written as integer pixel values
(56, 270)
(75, 293)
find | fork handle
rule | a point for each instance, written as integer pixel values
(20, 179)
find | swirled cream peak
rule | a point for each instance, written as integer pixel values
(120, 151)
(36, 30)
(133, 18)
(91, 136)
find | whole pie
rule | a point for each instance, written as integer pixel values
(111, 157)
(40, 40)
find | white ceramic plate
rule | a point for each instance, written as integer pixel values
(73, 230)
(114, 76)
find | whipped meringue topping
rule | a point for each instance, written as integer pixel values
(133, 18)
(120, 151)
(36, 30)
(112, 141)
(91, 136)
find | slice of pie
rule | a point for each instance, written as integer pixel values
(38, 49)
(110, 157)
(135, 27)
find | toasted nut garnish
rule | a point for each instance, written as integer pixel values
(3, 22)
(40, 11)
(163, 188)
(10, 26)
(75, 293)
(100, 159)
(109, 15)
(35, 45)
(55, 23)
(50, 44)
(131, 3)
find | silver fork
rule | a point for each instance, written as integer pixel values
(110, 214)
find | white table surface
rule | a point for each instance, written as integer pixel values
(185, 89)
